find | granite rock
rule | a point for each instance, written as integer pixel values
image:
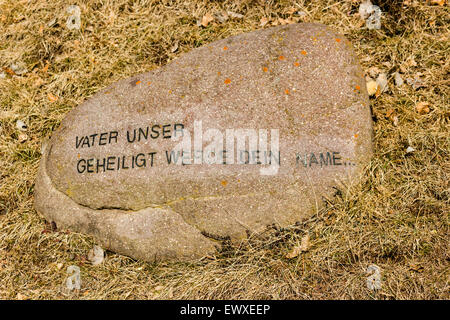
(245, 132)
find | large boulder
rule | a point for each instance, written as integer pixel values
(245, 132)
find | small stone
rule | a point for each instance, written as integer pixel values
(73, 281)
(371, 13)
(374, 280)
(221, 142)
(21, 125)
(410, 150)
(96, 255)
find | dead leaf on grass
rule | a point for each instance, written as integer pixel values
(416, 267)
(51, 97)
(304, 246)
(263, 21)
(206, 19)
(423, 107)
(235, 15)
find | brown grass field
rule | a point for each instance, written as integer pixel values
(396, 216)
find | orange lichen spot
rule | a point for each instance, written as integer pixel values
(303, 52)
(149, 83)
(337, 40)
(281, 58)
(296, 63)
(224, 183)
(357, 88)
(139, 81)
(219, 73)
(227, 81)
(78, 156)
(265, 69)
(286, 91)
(170, 91)
(356, 135)
(225, 48)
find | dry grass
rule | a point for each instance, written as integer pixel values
(396, 217)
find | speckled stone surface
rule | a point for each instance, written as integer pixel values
(106, 170)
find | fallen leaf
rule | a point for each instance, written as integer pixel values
(174, 47)
(21, 296)
(389, 113)
(398, 79)
(9, 71)
(207, 18)
(285, 21)
(304, 246)
(221, 17)
(410, 62)
(416, 83)
(19, 68)
(374, 71)
(291, 10)
(38, 82)
(372, 87)
(235, 15)
(423, 107)
(416, 267)
(51, 22)
(52, 97)
(439, 2)
(23, 137)
(382, 82)
(45, 68)
(263, 21)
